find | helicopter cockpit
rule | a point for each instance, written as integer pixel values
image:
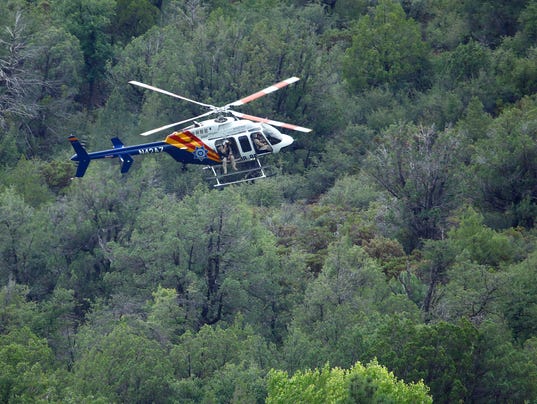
(272, 135)
(261, 145)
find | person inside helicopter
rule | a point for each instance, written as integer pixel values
(226, 153)
(261, 143)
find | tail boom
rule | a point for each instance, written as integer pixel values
(183, 147)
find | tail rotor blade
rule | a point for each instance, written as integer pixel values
(271, 122)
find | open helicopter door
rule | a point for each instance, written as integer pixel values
(249, 167)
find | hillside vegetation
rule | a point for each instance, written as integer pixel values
(399, 235)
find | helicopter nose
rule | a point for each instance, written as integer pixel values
(286, 141)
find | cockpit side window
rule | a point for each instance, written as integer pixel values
(260, 143)
(245, 144)
(271, 134)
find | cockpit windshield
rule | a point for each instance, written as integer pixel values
(272, 135)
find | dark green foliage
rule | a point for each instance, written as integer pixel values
(124, 366)
(400, 233)
(520, 302)
(504, 169)
(386, 50)
(418, 166)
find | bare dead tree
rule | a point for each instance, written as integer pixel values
(16, 81)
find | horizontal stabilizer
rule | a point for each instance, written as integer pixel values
(126, 162)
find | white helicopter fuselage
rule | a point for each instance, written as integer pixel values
(242, 134)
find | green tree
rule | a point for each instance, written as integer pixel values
(419, 166)
(16, 311)
(124, 366)
(491, 20)
(97, 211)
(26, 372)
(90, 22)
(24, 236)
(519, 302)
(386, 49)
(442, 355)
(504, 170)
(58, 64)
(202, 354)
(444, 21)
(133, 18)
(468, 61)
(340, 307)
(219, 259)
(505, 371)
(371, 383)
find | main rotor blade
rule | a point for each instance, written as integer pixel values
(137, 83)
(271, 122)
(171, 125)
(263, 92)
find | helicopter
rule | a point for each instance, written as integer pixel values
(231, 138)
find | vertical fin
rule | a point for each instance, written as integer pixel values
(81, 156)
(118, 144)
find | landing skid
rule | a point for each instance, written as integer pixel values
(249, 171)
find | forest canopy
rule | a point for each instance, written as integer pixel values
(392, 258)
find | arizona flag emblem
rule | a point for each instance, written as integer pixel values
(187, 141)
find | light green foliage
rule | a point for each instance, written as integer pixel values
(25, 368)
(475, 121)
(202, 353)
(372, 383)
(27, 181)
(165, 314)
(481, 244)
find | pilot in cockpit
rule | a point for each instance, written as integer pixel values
(261, 143)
